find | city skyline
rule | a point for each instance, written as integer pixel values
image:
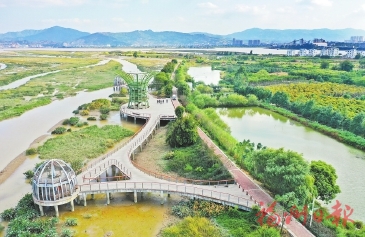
(214, 16)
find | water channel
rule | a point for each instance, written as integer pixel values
(122, 217)
(205, 74)
(274, 130)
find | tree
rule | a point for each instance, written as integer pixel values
(324, 180)
(281, 99)
(179, 111)
(325, 64)
(285, 173)
(135, 54)
(362, 63)
(182, 132)
(346, 66)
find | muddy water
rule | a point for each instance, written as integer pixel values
(122, 217)
(274, 130)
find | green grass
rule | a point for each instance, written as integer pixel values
(86, 143)
(196, 162)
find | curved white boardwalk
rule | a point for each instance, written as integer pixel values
(142, 182)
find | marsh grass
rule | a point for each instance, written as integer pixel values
(149, 64)
(66, 83)
(86, 143)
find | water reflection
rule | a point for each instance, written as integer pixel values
(274, 130)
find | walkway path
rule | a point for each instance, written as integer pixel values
(248, 185)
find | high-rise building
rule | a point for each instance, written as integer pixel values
(253, 42)
(357, 39)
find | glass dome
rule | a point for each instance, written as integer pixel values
(54, 181)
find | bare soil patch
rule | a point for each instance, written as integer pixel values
(151, 158)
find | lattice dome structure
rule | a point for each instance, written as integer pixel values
(54, 183)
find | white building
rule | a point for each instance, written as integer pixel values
(362, 53)
(332, 52)
(290, 52)
(312, 52)
(303, 52)
(351, 53)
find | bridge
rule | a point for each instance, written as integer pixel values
(240, 192)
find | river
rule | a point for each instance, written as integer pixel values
(19, 132)
(274, 130)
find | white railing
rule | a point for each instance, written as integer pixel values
(96, 171)
(187, 190)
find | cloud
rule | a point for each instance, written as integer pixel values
(324, 3)
(254, 10)
(208, 5)
(44, 3)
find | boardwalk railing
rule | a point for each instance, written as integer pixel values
(185, 190)
(93, 173)
(127, 112)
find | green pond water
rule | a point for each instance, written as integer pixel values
(274, 130)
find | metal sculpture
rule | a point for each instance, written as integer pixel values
(137, 88)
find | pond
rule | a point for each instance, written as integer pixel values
(205, 74)
(274, 130)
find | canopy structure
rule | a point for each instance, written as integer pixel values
(54, 183)
(137, 88)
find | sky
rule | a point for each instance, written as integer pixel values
(212, 16)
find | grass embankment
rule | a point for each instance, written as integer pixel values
(15, 102)
(87, 143)
(194, 162)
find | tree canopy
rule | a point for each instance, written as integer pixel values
(182, 132)
(324, 180)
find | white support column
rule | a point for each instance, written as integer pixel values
(41, 210)
(56, 210)
(135, 196)
(84, 199)
(107, 198)
(72, 205)
(162, 198)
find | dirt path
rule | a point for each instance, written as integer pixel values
(151, 156)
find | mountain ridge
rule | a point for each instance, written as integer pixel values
(58, 35)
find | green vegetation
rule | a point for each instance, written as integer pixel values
(192, 226)
(229, 221)
(324, 180)
(59, 130)
(71, 222)
(196, 162)
(87, 143)
(23, 220)
(182, 132)
(41, 90)
(31, 151)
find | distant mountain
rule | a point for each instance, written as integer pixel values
(57, 34)
(56, 37)
(20, 35)
(97, 39)
(285, 36)
(169, 38)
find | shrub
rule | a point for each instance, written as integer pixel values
(99, 103)
(66, 122)
(69, 130)
(74, 120)
(76, 111)
(67, 232)
(8, 214)
(91, 118)
(86, 123)
(103, 116)
(31, 151)
(1, 228)
(104, 110)
(169, 156)
(29, 174)
(84, 112)
(59, 130)
(182, 132)
(80, 124)
(71, 222)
